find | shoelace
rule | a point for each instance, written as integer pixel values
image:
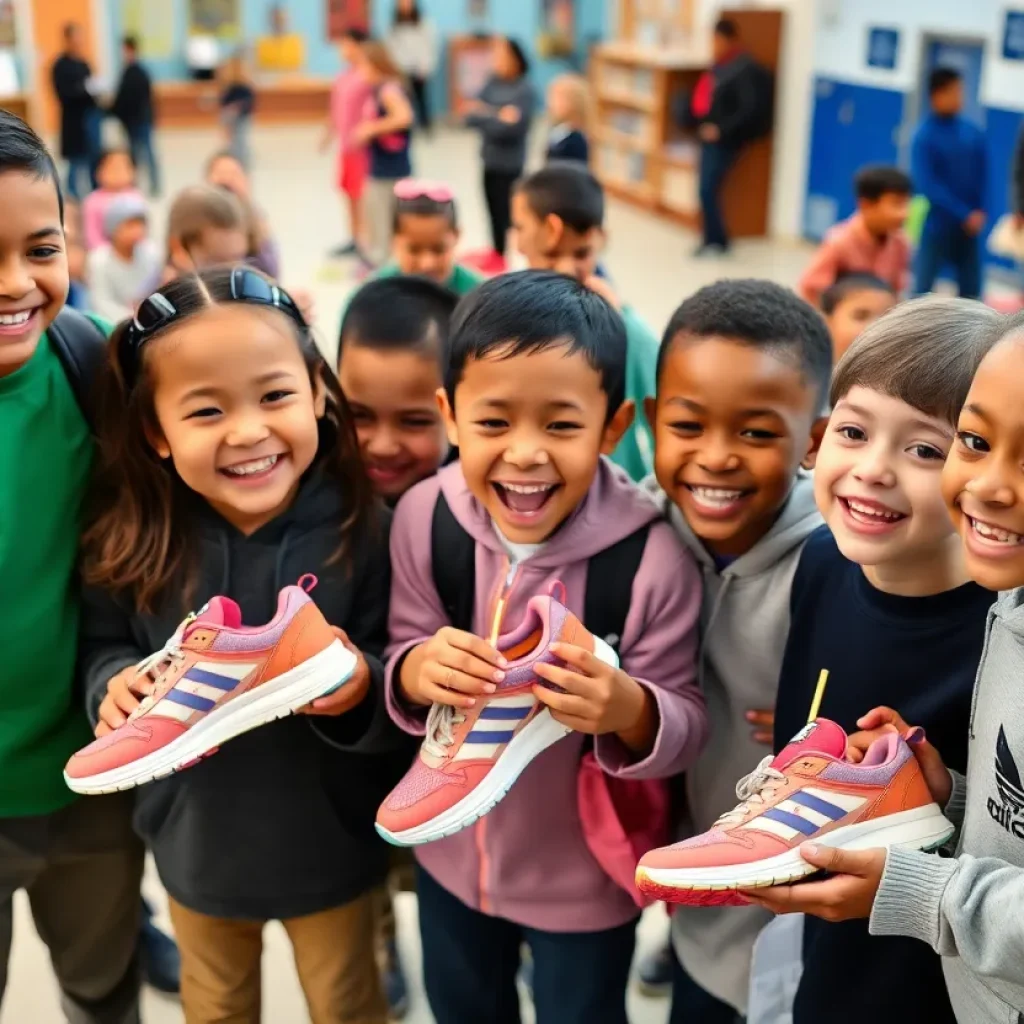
(751, 791)
(156, 664)
(441, 724)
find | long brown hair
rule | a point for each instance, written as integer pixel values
(140, 534)
(379, 57)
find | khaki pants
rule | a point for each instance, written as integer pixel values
(81, 867)
(379, 207)
(220, 965)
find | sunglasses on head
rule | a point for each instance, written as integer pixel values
(158, 312)
(413, 188)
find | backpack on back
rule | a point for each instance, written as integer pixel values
(81, 346)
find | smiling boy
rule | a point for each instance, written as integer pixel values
(883, 603)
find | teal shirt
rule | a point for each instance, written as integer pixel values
(45, 456)
(462, 281)
(635, 453)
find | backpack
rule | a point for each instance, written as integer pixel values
(81, 346)
(621, 819)
(762, 118)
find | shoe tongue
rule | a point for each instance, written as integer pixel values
(219, 611)
(818, 737)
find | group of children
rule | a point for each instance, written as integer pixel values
(790, 520)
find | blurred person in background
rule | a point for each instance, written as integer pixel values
(80, 118)
(133, 107)
(412, 41)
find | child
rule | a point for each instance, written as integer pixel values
(533, 395)
(172, 527)
(568, 98)
(871, 241)
(237, 104)
(950, 166)
(743, 371)
(121, 272)
(393, 342)
(852, 304)
(207, 226)
(502, 114)
(883, 601)
(349, 95)
(558, 213)
(225, 171)
(115, 174)
(386, 131)
(78, 291)
(426, 232)
(78, 858)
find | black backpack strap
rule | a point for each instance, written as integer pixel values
(610, 575)
(81, 346)
(453, 561)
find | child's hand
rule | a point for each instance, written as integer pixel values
(763, 723)
(124, 693)
(509, 114)
(454, 668)
(598, 699)
(350, 694)
(848, 895)
(880, 721)
(363, 133)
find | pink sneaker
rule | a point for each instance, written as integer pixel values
(472, 757)
(215, 679)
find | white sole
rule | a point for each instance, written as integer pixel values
(294, 689)
(534, 739)
(922, 828)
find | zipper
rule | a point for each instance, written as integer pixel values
(501, 602)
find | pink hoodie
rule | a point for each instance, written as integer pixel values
(527, 861)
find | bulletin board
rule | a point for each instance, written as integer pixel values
(218, 18)
(8, 28)
(557, 35)
(469, 68)
(152, 23)
(345, 14)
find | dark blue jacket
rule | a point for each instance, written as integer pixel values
(949, 166)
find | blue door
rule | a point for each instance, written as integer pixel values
(968, 59)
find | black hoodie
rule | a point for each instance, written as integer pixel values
(279, 822)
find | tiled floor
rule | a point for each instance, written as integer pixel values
(648, 260)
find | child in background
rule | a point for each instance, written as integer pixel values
(534, 393)
(123, 271)
(558, 214)
(568, 100)
(292, 801)
(871, 241)
(742, 379)
(386, 132)
(502, 114)
(349, 95)
(78, 858)
(394, 338)
(237, 104)
(78, 290)
(883, 602)
(852, 304)
(115, 175)
(225, 171)
(207, 226)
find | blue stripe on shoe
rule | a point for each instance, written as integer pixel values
(792, 820)
(815, 803)
(497, 711)
(486, 736)
(190, 700)
(198, 675)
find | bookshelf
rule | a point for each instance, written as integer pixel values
(640, 154)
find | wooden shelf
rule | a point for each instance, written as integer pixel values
(286, 100)
(647, 104)
(668, 58)
(686, 163)
(623, 140)
(633, 190)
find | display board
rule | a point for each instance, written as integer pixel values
(345, 14)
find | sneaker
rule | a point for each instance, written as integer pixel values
(806, 792)
(655, 972)
(341, 251)
(710, 250)
(213, 680)
(396, 991)
(471, 757)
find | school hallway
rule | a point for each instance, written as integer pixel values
(649, 262)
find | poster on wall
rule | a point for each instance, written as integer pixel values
(345, 14)
(152, 23)
(1013, 36)
(214, 18)
(8, 30)
(557, 28)
(477, 10)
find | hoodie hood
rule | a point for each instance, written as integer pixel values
(612, 510)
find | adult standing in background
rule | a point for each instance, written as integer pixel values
(133, 107)
(412, 41)
(502, 114)
(80, 117)
(730, 106)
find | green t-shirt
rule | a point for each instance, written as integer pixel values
(635, 452)
(462, 281)
(45, 456)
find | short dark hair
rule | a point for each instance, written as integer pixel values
(532, 311)
(110, 151)
(877, 180)
(942, 78)
(569, 191)
(424, 206)
(727, 28)
(400, 314)
(760, 314)
(849, 284)
(924, 352)
(69, 29)
(131, 43)
(356, 33)
(520, 55)
(22, 150)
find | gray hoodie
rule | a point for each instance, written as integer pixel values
(971, 909)
(504, 144)
(744, 623)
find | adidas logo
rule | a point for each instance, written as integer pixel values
(1008, 811)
